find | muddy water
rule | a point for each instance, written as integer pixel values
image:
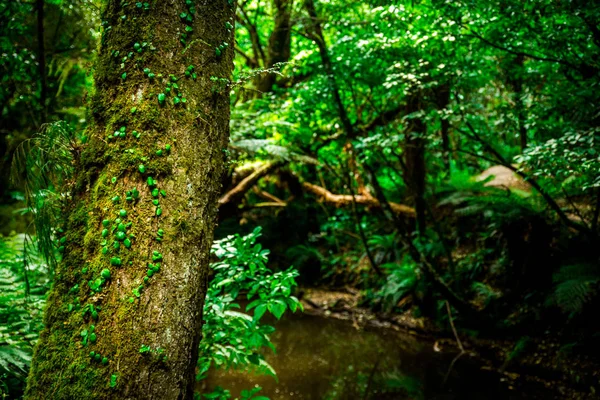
(324, 358)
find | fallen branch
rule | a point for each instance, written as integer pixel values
(342, 200)
(247, 183)
(269, 197)
(268, 204)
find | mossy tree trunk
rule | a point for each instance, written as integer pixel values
(123, 319)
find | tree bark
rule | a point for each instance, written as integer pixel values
(145, 275)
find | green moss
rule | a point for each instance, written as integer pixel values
(115, 261)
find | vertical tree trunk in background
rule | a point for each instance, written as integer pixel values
(515, 79)
(41, 58)
(414, 151)
(443, 100)
(279, 43)
(131, 284)
(520, 104)
(319, 38)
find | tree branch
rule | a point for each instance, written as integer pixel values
(247, 183)
(343, 200)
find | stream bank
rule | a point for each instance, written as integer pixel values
(542, 364)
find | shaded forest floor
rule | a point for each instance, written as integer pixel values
(570, 375)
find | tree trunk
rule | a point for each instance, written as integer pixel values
(319, 38)
(279, 43)
(515, 73)
(519, 103)
(132, 290)
(442, 96)
(415, 160)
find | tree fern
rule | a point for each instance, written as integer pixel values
(384, 247)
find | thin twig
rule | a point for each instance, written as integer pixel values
(460, 346)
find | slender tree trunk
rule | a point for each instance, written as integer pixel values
(41, 58)
(124, 315)
(443, 100)
(279, 43)
(520, 104)
(515, 80)
(415, 160)
(319, 38)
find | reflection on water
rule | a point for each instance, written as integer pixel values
(321, 358)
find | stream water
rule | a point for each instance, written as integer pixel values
(325, 358)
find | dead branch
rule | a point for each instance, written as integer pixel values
(342, 200)
(247, 183)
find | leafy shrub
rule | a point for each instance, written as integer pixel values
(231, 338)
(471, 197)
(570, 160)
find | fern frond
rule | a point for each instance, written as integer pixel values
(23, 284)
(472, 197)
(575, 286)
(41, 166)
(485, 291)
(400, 282)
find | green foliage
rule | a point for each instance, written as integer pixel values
(485, 291)
(413, 387)
(42, 165)
(385, 248)
(24, 279)
(472, 266)
(576, 285)
(488, 80)
(569, 162)
(231, 338)
(268, 149)
(519, 349)
(472, 197)
(400, 281)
